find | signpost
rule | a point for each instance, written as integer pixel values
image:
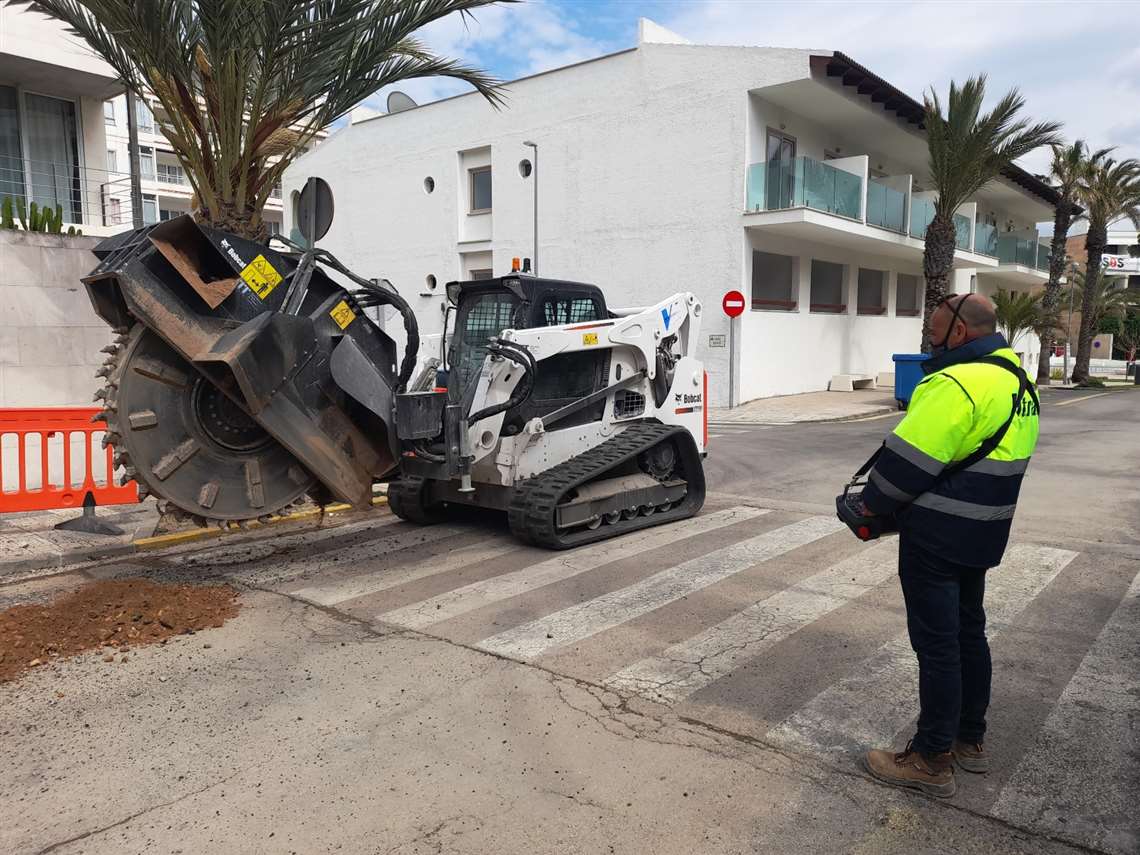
(733, 306)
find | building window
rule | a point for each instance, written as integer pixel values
(112, 160)
(275, 191)
(273, 226)
(773, 281)
(827, 287)
(165, 214)
(11, 157)
(109, 113)
(482, 273)
(907, 296)
(146, 162)
(150, 209)
(872, 292)
(144, 116)
(53, 145)
(480, 189)
(171, 173)
(114, 213)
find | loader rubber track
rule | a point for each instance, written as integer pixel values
(534, 505)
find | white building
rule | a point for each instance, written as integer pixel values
(52, 140)
(795, 176)
(1121, 251)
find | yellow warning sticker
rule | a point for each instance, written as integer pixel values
(261, 277)
(342, 314)
(589, 338)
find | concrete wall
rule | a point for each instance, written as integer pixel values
(50, 336)
(784, 353)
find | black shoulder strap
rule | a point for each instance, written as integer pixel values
(994, 440)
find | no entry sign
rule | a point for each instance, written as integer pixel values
(733, 304)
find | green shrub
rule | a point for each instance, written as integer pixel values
(1056, 374)
(1092, 383)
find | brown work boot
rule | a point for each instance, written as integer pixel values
(971, 756)
(932, 775)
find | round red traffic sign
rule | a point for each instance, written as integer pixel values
(733, 304)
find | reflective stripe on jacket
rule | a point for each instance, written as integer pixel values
(964, 517)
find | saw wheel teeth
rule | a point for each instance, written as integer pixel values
(112, 349)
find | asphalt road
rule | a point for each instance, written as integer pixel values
(702, 687)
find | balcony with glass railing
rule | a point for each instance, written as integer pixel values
(921, 216)
(1013, 249)
(804, 183)
(1043, 250)
(886, 206)
(885, 203)
(985, 239)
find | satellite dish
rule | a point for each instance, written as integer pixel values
(315, 210)
(398, 102)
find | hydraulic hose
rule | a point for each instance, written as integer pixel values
(376, 295)
(525, 386)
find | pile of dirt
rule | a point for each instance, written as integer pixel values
(116, 614)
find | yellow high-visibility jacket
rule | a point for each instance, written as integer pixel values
(965, 516)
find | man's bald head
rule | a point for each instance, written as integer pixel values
(962, 318)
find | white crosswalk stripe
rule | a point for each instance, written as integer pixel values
(562, 566)
(360, 586)
(1090, 731)
(871, 705)
(695, 663)
(609, 610)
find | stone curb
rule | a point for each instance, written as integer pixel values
(71, 559)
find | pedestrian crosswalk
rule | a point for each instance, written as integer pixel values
(672, 616)
(840, 718)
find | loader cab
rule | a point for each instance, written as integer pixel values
(485, 307)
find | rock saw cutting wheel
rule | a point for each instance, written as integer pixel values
(186, 441)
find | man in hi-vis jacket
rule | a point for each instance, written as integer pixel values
(954, 509)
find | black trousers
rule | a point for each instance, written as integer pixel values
(947, 627)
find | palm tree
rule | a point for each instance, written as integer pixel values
(1019, 312)
(1108, 191)
(1070, 164)
(247, 84)
(967, 150)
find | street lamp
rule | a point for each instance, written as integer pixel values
(534, 177)
(1069, 327)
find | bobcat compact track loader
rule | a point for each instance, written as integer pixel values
(244, 379)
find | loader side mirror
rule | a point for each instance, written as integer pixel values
(315, 210)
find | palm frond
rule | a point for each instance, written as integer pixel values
(244, 82)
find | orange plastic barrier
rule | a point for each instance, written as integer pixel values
(57, 487)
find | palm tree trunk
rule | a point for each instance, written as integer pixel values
(1094, 245)
(937, 268)
(1061, 222)
(242, 220)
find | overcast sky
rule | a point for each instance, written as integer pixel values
(1077, 62)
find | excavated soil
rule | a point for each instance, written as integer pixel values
(113, 614)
